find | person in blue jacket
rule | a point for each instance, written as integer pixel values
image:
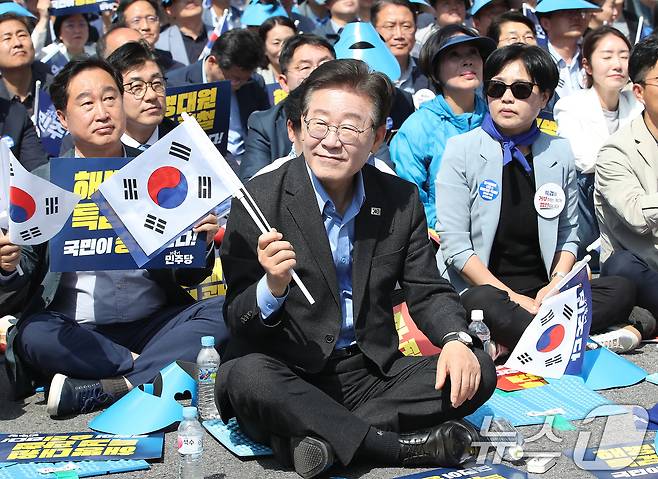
(452, 58)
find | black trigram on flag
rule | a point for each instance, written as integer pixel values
(567, 312)
(180, 151)
(205, 187)
(30, 234)
(548, 318)
(156, 224)
(554, 360)
(130, 189)
(11, 168)
(52, 205)
(524, 358)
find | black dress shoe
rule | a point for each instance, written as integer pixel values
(311, 456)
(447, 445)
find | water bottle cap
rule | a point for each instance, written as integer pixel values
(208, 341)
(515, 452)
(477, 315)
(189, 412)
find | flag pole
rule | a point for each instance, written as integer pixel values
(37, 88)
(253, 210)
(638, 33)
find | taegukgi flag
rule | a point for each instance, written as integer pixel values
(37, 209)
(554, 342)
(165, 190)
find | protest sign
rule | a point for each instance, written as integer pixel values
(209, 103)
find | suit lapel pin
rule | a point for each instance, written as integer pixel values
(375, 211)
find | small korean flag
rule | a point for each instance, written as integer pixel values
(36, 209)
(545, 349)
(165, 190)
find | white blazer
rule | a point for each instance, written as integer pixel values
(580, 120)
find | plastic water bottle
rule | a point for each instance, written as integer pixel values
(207, 363)
(190, 446)
(501, 433)
(481, 330)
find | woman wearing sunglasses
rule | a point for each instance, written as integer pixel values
(595, 114)
(498, 238)
(452, 59)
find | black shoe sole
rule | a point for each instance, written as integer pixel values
(311, 456)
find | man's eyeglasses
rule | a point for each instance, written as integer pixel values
(137, 21)
(646, 81)
(138, 88)
(520, 89)
(347, 134)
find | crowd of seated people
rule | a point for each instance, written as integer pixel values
(495, 103)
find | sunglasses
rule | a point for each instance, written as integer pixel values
(520, 89)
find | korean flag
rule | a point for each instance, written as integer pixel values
(165, 190)
(36, 209)
(546, 347)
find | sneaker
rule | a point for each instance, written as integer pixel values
(617, 340)
(311, 456)
(71, 396)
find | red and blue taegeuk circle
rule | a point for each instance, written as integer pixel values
(167, 187)
(21, 205)
(551, 338)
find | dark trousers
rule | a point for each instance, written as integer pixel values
(627, 265)
(52, 343)
(273, 402)
(613, 299)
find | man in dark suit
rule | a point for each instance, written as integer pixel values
(324, 379)
(99, 333)
(235, 56)
(267, 131)
(17, 66)
(144, 94)
(17, 130)
(341, 12)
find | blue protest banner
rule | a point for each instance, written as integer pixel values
(89, 243)
(275, 93)
(481, 471)
(579, 278)
(55, 62)
(50, 129)
(78, 446)
(70, 7)
(209, 103)
(617, 460)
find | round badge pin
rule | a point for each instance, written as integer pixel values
(549, 200)
(488, 190)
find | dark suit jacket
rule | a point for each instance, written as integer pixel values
(267, 140)
(40, 72)
(16, 124)
(252, 96)
(391, 245)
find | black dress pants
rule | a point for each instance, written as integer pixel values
(613, 299)
(273, 402)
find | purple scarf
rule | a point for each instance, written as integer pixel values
(510, 144)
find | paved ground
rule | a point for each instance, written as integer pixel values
(30, 416)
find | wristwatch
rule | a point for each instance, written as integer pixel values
(460, 336)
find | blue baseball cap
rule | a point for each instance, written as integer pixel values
(549, 6)
(360, 41)
(480, 4)
(484, 44)
(16, 9)
(257, 12)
